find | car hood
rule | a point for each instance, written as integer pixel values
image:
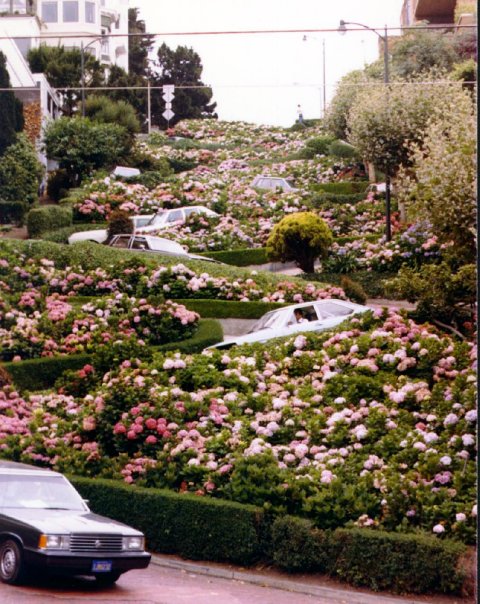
(99, 235)
(69, 521)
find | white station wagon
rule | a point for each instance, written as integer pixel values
(307, 316)
(272, 183)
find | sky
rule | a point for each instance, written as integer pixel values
(262, 78)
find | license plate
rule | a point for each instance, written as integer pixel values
(101, 566)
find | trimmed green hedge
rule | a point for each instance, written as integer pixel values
(195, 527)
(343, 187)
(324, 199)
(38, 374)
(47, 218)
(229, 309)
(372, 282)
(202, 528)
(243, 257)
(12, 212)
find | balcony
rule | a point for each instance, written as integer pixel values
(18, 8)
(435, 11)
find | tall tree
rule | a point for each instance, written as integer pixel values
(138, 45)
(11, 117)
(183, 68)
(62, 68)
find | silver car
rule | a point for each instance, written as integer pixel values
(272, 183)
(307, 316)
(154, 245)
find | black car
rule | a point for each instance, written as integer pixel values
(46, 526)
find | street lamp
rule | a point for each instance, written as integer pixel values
(82, 67)
(305, 38)
(343, 30)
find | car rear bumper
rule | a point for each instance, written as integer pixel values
(68, 563)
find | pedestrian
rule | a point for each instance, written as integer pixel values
(300, 114)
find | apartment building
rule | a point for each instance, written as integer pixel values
(439, 12)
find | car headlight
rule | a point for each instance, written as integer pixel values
(54, 542)
(133, 543)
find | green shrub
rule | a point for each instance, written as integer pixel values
(398, 562)
(202, 528)
(58, 184)
(46, 218)
(373, 283)
(243, 257)
(343, 188)
(342, 150)
(151, 178)
(302, 237)
(325, 199)
(119, 223)
(229, 309)
(181, 165)
(20, 172)
(195, 527)
(61, 235)
(12, 212)
(209, 332)
(353, 290)
(38, 374)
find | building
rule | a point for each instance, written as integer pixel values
(100, 26)
(449, 13)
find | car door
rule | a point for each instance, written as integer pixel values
(121, 241)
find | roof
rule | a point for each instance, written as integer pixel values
(15, 466)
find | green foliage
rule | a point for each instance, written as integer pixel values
(302, 237)
(58, 184)
(62, 68)
(119, 223)
(20, 172)
(229, 309)
(420, 51)
(400, 563)
(9, 109)
(181, 165)
(80, 146)
(372, 282)
(441, 293)
(46, 218)
(209, 332)
(12, 212)
(152, 178)
(62, 234)
(342, 150)
(38, 374)
(324, 200)
(243, 257)
(182, 67)
(207, 529)
(344, 99)
(353, 290)
(342, 188)
(104, 110)
(188, 525)
(318, 145)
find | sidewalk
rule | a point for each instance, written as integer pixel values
(328, 591)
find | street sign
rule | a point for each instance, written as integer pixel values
(168, 114)
(168, 92)
(168, 105)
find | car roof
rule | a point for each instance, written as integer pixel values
(15, 467)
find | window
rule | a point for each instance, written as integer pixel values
(70, 11)
(174, 216)
(330, 309)
(121, 241)
(50, 12)
(90, 12)
(24, 45)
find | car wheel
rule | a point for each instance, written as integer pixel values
(107, 579)
(12, 569)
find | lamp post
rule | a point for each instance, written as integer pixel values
(82, 67)
(324, 97)
(386, 79)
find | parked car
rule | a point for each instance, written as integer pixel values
(154, 245)
(307, 316)
(101, 235)
(378, 187)
(46, 526)
(272, 183)
(168, 218)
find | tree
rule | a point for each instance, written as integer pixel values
(131, 90)
(182, 67)
(20, 172)
(384, 119)
(344, 99)
(441, 183)
(101, 109)
(139, 46)
(301, 237)
(120, 223)
(11, 117)
(81, 146)
(62, 68)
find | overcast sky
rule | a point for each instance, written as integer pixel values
(261, 78)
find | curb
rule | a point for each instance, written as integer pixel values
(328, 594)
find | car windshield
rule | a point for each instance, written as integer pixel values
(268, 321)
(158, 218)
(38, 492)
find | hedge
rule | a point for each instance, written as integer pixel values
(61, 235)
(12, 212)
(243, 257)
(194, 527)
(46, 218)
(343, 187)
(229, 309)
(39, 374)
(324, 199)
(203, 528)
(372, 282)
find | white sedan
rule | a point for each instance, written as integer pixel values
(272, 183)
(101, 235)
(307, 316)
(154, 245)
(168, 218)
